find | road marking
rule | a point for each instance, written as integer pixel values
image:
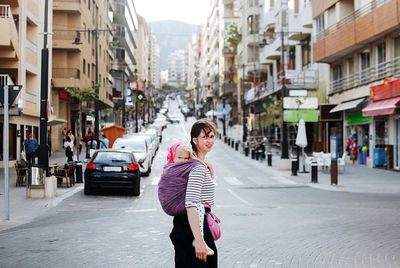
(233, 181)
(240, 199)
(282, 180)
(140, 210)
(155, 180)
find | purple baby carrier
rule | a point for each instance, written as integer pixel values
(172, 186)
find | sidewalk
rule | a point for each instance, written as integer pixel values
(22, 209)
(355, 178)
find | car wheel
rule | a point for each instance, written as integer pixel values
(136, 191)
(148, 172)
(87, 191)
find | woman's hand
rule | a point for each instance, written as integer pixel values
(208, 165)
(201, 250)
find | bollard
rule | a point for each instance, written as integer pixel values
(294, 167)
(232, 143)
(219, 135)
(314, 172)
(225, 139)
(253, 154)
(246, 151)
(229, 141)
(237, 146)
(78, 171)
(269, 159)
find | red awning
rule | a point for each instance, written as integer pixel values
(384, 107)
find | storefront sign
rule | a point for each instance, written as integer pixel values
(388, 89)
(300, 103)
(298, 93)
(357, 119)
(334, 147)
(296, 115)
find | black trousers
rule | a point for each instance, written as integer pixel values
(182, 238)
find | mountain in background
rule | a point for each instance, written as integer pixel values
(172, 35)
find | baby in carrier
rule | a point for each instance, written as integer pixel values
(179, 152)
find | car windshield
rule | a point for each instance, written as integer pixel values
(112, 157)
(134, 145)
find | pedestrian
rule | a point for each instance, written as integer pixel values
(104, 142)
(200, 189)
(71, 136)
(69, 149)
(64, 135)
(31, 146)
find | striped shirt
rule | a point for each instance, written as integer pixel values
(200, 187)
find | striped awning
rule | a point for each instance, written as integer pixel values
(384, 107)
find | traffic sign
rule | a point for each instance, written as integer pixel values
(13, 92)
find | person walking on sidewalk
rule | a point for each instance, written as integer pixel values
(104, 142)
(69, 149)
(31, 146)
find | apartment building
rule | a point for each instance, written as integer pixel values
(82, 57)
(176, 68)
(267, 29)
(360, 40)
(124, 69)
(155, 55)
(21, 41)
(193, 51)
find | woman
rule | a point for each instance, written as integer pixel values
(200, 189)
(69, 149)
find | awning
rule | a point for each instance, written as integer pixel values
(384, 107)
(55, 121)
(346, 105)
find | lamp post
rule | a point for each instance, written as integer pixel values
(285, 146)
(136, 105)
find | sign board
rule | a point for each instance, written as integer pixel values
(298, 93)
(13, 92)
(300, 103)
(128, 101)
(128, 92)
(296, 115)
(334, 142)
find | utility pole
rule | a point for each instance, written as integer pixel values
(96, 103)
(44, 95)
(284, 142)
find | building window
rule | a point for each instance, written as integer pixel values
(350, 72)
(306, 52)
(396, 54)
(337, 77)
(320, 27)
(365, 66)
(381, 60)
(84, 66)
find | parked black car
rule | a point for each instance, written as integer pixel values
(112, 169)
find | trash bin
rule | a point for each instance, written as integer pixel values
(78, 172)
(379, 157)
(35, 176)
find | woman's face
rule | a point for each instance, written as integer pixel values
(205, 142)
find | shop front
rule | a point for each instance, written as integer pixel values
(384, 110)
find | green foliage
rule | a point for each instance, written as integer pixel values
(274, 111)
(87, 94)
(232, 35)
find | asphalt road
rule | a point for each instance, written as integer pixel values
(267, 221)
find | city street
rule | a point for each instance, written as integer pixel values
(267, 221)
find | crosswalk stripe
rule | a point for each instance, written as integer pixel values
(155, 180)
(233, 181)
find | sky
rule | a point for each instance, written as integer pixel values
(189, 11)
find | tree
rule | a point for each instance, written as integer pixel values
(232, 35)
(86, 94)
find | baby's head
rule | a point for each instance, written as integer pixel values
(179, 152)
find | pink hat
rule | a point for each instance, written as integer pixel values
(172, 151)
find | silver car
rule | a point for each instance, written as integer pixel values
(152, 146)
(141, 149)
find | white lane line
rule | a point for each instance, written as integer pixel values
(282, 180)
(239, 198)
(155, 180)
(233, 181)
(141, 210)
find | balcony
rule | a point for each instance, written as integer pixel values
(66, 77)
(390, 68)
(68, 6)
(5, 79)
(370, 22)
(64, 39)
(233, 87)
(9, 41)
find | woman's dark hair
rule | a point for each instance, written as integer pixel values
(68, 138)
(203, 124)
